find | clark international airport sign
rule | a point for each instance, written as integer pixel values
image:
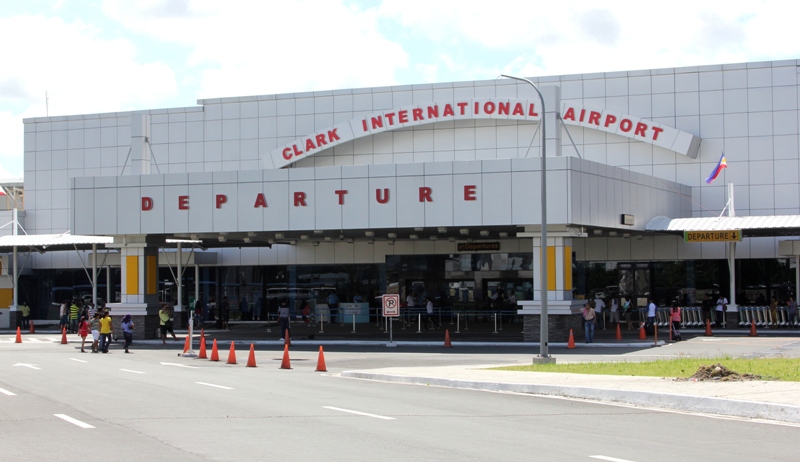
(731, 235)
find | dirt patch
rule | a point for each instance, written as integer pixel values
(719, 373)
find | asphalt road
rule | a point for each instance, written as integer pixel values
(153, 405)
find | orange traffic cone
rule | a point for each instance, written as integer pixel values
(642, 333)
(618, 336)
(214, 352)
(447, 343)
(286, 339)
(232, 355)
(708, 328)
(753, 332)
(31, 329)
(202, 332)
(251, 360)
(187, 344)
(571, 341)
(19, 337)
(202, 354)
(63, 335)
(285, 363)
(321, 362)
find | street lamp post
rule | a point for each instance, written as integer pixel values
(544, 354)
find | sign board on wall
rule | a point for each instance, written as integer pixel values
(732, 235)
(478, 246)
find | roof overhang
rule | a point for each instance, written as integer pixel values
(752, 226)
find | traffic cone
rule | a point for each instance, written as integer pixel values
(202, 332)
(571, 341)
(202, 354)
(187, 344)
(708, 328)
(285, 363)
(32, 330)
(753, 332)
(447, 343)
(321, 362)
(232, 355)
(63, 335)
(618, 336)
(286, 340)
(251, 360)
(642, 333)
(214, 352)
(19, 337)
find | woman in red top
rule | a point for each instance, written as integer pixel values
(675, 317)
(83, 331)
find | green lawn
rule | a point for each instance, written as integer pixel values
(787, 369)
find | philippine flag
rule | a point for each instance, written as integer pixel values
(723, 163)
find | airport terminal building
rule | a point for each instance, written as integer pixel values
(429, 191)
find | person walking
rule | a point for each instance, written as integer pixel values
(651, 311)
(773, 312)
(25, 310)
(429, 315)
(127, 331)
(614, 311)
(791, 307)
(83, 331)
(74, 310)
(283, 319)
(164, 323)
(589, 319)
(94, 327)
(675, 317)
(106, 331)
(627, 309)
(719, 310)
(333, 306)
(63, 316)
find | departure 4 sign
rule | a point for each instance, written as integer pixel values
(730, 235)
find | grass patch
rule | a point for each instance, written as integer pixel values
(786, 369)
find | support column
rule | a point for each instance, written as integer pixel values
(139, 284)
(563, 311)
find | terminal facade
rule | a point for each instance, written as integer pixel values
(429, 190)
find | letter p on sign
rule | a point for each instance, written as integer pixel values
(391, 305)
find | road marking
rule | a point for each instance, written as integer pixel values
(215, 386)
(31, 366)
(610, 459)
(73, 421)
(6, 392)
(79, 360)
(359, 413)
(132, 371)
(179, 365)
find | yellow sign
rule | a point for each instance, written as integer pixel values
(731, 235)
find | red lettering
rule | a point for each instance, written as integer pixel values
(364, 124)
(433, 112)
(531, 112)
(625, 125)
(469, 192)
(320, 140)
(583, 113)
(402, 116)
(448, 110)
(390, 117)
(299, 199)
(594, 118)
(261, 201)
(287, 153)
(477, 108)
(310, 145)
(382, 199)
(377, 122)
(425, 194)
(489, 107)
(656, 131)
(183, 202)
(502, 108)
(569, 115)
(333, 136)
(417, 114)
(518, 110)
(610, 119)
(221, 199)
(341, 193)
(297, 152)
(147, 204)
(640, 129)
(461, 106)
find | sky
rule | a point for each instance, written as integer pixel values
(64, 57)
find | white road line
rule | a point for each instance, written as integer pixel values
(73, 421)
(132, 371)
(215, 386)
(610, 459)
(359, 413)
(179, 365)
(29, 366)
(78, 360)
(6, 392)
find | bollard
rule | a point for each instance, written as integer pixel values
(354, 324)
(458, 323)
(495, 323)
(321, 325)
(419, 323)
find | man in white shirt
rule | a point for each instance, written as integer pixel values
(722, 304)
(614, 310)
(599, 309)
(651, 312)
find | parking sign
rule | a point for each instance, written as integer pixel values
(391, 305)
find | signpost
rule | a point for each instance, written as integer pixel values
(391, 309)
(730, 235)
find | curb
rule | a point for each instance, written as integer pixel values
(707, 405)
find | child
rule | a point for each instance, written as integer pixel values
(83, 331)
